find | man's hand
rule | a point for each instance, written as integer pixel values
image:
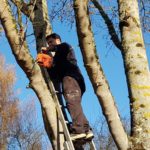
(44, 50)
(44, 60)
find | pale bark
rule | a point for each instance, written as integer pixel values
(25, 8)
(137, 72)
(31, 68)
(96, 74)
(40, 22)
(42, 28)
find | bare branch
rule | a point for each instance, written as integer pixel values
(22, 6)
(108, 22)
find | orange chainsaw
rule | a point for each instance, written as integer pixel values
(44, 60)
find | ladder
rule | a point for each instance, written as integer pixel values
(68, 144)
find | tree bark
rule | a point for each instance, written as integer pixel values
(96, 74)
(137, 73)
(42, 28)
(30, 67)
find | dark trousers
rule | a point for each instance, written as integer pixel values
(72, 95)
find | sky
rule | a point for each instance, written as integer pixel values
(110, 59)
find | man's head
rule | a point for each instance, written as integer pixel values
(53, 40)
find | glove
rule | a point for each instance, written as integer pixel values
(44, 60)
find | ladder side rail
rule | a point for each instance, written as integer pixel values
(68, 143)
(59, 111)
(92, 145)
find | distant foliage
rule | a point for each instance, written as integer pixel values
(103, 138)
(8, 104)
(19, 126)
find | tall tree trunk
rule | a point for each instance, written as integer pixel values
(41, 26)
(96, 74)
(137, 72)
(31, 68)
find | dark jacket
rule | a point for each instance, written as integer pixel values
(65, 64)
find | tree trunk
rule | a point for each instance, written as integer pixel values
(137, 72)
(31, 68)
(42, 28)
(96, 74)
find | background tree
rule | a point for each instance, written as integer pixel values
(19, 126)
(26, 131)
(8, 103)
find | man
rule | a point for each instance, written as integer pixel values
(64, 69)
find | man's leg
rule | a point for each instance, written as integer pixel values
(72, 94)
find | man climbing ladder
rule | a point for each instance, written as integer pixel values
(62, 66)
